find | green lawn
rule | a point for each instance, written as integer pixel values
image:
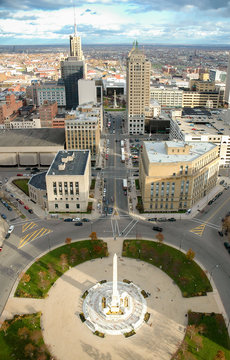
(137, 184)
(46, 270)
(22, 184)
(21, 339)
(206, 335)
(189, 277)
(92, 186)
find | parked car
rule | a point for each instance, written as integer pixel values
(28, 168)
(152, 219)
(220, 233)
(0, 248)
(221, 182)
(7, 236)
(11, 228)
(161, 219)
(9, 208)
(227, 245)
(4, 216)
(157, 228)
(21, 202)
(68, 220)
(172, 219)
(26, 207)
(78, 223)
(76, 219)
(30, 211)
(19, 174)
(85, 220)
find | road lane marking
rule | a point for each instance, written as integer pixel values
(28, 226)
(200, 231)
(33, 235)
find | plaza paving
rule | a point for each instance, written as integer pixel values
(70, 339)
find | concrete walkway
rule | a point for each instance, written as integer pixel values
(70, 339)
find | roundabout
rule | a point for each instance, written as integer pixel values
(113, 308)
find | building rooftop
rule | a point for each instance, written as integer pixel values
(203, 122)
(32, 137)
(38, 181)
(157, 151)
(72, 162)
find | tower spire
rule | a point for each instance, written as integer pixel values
(74, 13)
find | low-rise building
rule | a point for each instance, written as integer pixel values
(47, 113)
(68, 181)
(167, 96)
(204, 125)
(174, 175)
(37, 189)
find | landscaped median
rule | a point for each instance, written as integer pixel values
(39, 278)
(21, 339)
(187, 274)
(206, 338)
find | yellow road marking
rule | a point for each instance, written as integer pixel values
(34, 235)
(200, 229)
(28, 226)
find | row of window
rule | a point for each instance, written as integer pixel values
(67, 206)
(66, 189)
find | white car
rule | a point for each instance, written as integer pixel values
(76, 219)
(11, 228)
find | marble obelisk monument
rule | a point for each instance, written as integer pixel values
(115, 303)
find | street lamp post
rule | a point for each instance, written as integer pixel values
(212, 270)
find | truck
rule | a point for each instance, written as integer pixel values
(122, 143)
(124, 184)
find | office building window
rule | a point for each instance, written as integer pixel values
(67, 206)
(78, 206)
(56, 206)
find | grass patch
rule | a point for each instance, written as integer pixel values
(39, 278)
(22, 184)
(21, 339)
(92, 186)
(139, 205)
(206, 335)
(188, 276)
(137, 184)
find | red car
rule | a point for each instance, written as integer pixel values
(19, 174)
(21, 202)
(26, 207)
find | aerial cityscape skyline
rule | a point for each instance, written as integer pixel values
(107, 22)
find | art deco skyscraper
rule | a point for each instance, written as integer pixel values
(138, 90)
(73, 68)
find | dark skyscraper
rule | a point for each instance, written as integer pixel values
(71, 71)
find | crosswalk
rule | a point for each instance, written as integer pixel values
(32, 235)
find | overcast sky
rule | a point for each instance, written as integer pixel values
(115, 21)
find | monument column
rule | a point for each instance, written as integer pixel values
(115, 294)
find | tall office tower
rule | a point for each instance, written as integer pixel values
(227, 87)
(138, 90)
(72, 70)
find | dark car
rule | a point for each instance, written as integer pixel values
(28, 168)
(9, 208)
(157, 228)
(78, 223)
(110, 210)
(98, 168)
(30, 211)
(162, 219)
(85, 220)
(210, 202)
(227, 245)
(221, 182)
(68, 220)
(3, 216)
(7, 236)
(0, 248)
(171, 219)
(152, 219)
(220, 233)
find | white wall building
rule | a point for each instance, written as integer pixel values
(68, 181)
(87, 91)
(167, 96)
